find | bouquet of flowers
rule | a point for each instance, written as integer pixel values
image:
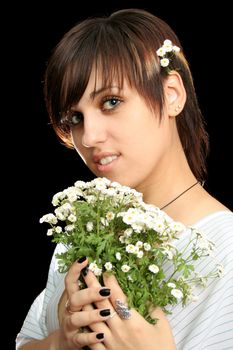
(120, 234)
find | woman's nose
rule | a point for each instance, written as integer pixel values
(94, 131)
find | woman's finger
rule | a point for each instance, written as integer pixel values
(118, 298)
(82, 339)
(73, 275)
(92, 282)
(100, 326)
(85, 318)
(110, 282)
(86, 296)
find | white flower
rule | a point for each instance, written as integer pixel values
(164, 62)
(125, 268)
(118, 256)
(50, 232)
(128, 232)
(72, 218)
(50, 218)
(171, 285)
(95, 269)
(147, 247)
(130, 248)
(177, 293)
(69, 228)
(140, 254)
(110, 216)
(58, 229)
(89, 226)
(166, 52)
(161, 51)
(57, 198)
(139, 244)
(108, 266)
(176, 48)
(153, 268)
(167, 45)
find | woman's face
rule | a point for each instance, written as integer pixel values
(126, 141)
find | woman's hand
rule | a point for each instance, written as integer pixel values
(128, 334)
(83, 323)
(73, 317)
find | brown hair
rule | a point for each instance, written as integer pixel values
(123, 46)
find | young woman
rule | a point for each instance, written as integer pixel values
(120, 91)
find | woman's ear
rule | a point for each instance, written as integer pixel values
(175, 94)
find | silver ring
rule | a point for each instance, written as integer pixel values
(113, 314)
(122, 310)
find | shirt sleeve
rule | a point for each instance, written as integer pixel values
(35, 324)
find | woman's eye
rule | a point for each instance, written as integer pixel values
(111, 103)
(75, 118)
(72, 119)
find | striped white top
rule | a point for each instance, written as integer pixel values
(201, 325)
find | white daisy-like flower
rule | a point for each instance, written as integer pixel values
(50, 232)
(89, 226)
(118, 256)
(72, 218)
(130, 248)
(147, 247)
(140, 254)
(108, 266)
(177, 293)
(69, 228)
(171, 285)
(139, 244)
(153, 268)
(166, 52)
(58, 229)
(125, 268)
(110, 216)
(49, 218)
(95, 269)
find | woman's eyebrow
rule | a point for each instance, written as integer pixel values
(94, 93)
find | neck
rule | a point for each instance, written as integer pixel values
(180, 194)
(174, 177)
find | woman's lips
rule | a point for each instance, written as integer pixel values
(105, 161)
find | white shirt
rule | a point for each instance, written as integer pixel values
(201, 325)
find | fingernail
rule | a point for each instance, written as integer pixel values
(104, 292)
(100, 335)
(82, 259)
(105, 312)
(85, 271)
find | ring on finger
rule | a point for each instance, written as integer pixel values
(67, 307)
(122, 310)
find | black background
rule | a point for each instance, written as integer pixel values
(38, 166)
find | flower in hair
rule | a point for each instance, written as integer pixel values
(166, 52)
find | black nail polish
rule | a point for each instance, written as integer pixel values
(105, 312)
(104, 292)
(85, 271)
(82, 259)
(100, 335)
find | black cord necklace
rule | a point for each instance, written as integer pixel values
(181, 194)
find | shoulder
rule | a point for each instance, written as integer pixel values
(219, 221)
(218, 227)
